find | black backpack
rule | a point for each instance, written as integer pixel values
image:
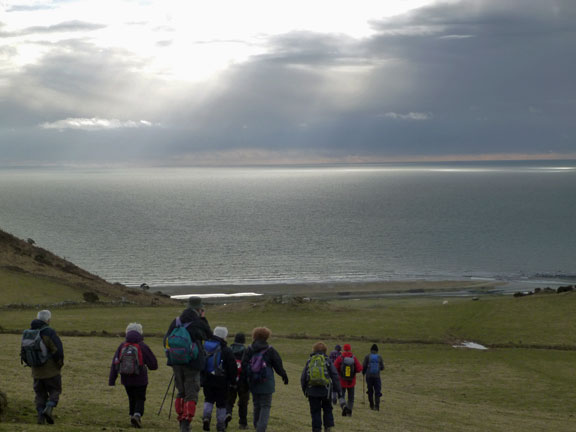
(348, 368)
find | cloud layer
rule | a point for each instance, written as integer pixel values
(452, 79)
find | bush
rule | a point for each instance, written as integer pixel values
(3, 403)
(91, 297)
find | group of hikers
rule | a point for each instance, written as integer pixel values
(201, 359)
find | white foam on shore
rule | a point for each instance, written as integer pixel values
(471, 345)
(215, 295)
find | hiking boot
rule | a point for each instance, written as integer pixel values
(41, 420)
(47, 413)
(328, 429)
(243, 426)
(136, 420)
(205, 424)
(185, 426)
(344, 411)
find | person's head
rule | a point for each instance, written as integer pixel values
(195, 303)
(136, 327)
(261, 334)
(221, 332)
(240, 338)
(44, 315)
(374, 348)
(347, 348)
(338, 348)
(320, 347)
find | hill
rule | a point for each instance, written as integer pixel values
(32, 275)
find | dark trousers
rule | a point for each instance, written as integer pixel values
(243, 395)
(374, 391)
(216, 395)
(321, 409)
(136, 398)
(47, 392)
(350, 400)
(262, 404)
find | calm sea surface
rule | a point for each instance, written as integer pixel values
(203, 226)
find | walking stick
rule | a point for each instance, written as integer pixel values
(165, 394)
(172, 400)
(363, 390)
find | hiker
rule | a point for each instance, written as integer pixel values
(186, 356)
(319, 381)
(240, 390)
(371, 367)
(259, 363)
(333, 356)
(218, 375)
(132, 360)
(348, 366)
(42, 350)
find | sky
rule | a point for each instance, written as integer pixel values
(181, 82)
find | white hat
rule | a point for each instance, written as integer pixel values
(221, 332)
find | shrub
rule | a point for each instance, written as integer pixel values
(91, 297)
(3, 403)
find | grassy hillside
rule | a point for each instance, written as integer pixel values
(30, 274)
(427, 387)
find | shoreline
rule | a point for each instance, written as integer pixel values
(355, 290)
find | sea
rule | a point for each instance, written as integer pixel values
(215, 226)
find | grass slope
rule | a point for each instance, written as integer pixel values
(26, 268)
(427, 387)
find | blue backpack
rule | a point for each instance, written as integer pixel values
(180, 348)
(373, 365)
(213, 363)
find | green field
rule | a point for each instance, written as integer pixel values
(428, 384)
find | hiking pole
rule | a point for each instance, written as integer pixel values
(165, 394)
(172, 400)
(363, 390)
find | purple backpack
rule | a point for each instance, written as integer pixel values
(258, 370)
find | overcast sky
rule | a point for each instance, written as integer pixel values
(259, 81)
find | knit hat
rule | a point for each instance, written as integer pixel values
(195, 303)
(374, 348)
(221, 332)
(240, 338)
(338, 348)
(134, 327)
(347, 347)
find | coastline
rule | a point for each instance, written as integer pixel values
(356, 290)
(333, 290)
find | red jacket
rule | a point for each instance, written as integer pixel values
(357, 369)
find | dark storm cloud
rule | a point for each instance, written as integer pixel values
(459, 78)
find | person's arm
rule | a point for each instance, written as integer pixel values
(113, 369)
(149, 357)
(304, 378)
(230, 366)
(336, 387)
(276, 363)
